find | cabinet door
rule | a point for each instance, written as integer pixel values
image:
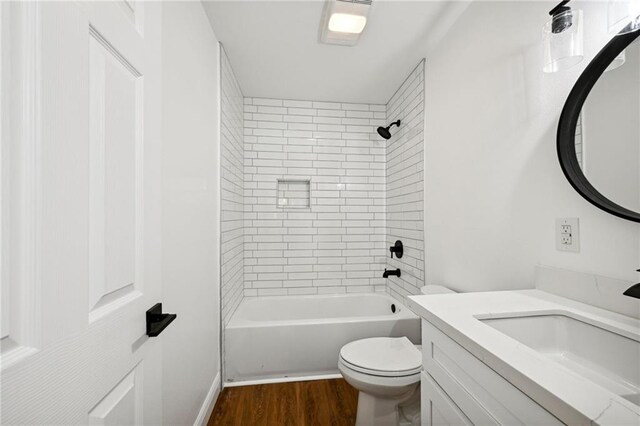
(484, 396)
(437, 408)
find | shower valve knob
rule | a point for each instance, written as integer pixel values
(398, 249)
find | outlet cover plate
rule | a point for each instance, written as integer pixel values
(568, 234)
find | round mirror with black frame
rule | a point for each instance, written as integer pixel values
(599, 131)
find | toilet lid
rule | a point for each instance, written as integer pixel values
(383, 356)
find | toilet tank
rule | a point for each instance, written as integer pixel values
(435, 289)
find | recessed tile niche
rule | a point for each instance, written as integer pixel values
(294, 194)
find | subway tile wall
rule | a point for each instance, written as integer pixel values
(405, 184)
(338, 243)
(364, 193)
(232, 190)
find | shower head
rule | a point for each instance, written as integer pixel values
(384, 131)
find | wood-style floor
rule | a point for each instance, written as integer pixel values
(317, 403)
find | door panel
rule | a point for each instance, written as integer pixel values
(115, 142)
(123, 404)
(80, 212)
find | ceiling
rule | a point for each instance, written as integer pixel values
(274, 50)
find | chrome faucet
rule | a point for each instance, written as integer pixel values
(388, 272)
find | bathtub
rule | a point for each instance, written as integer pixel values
(285, 337)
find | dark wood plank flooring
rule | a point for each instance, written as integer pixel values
(312, 403)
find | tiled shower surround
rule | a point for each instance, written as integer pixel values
(405, 184)
(232, 190)
(336, 244)
(324, 195)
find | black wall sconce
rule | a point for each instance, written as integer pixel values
(563, 38)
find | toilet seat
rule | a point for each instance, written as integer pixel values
(382, 356)
(370, 381)
(378, 373)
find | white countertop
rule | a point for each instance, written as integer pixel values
(570, 397)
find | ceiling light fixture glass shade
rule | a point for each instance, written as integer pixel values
(346, 23)
(623, 16)
(563, 41)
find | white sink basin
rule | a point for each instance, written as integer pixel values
(607, 357)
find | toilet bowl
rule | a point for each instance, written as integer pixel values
(386, 372)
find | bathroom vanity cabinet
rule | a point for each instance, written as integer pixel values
(526, 357)
(459, 389)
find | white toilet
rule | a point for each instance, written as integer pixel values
(386, 371)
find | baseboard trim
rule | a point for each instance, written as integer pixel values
(282, 380)
(209, 402)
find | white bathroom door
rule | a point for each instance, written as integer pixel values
(80, 149)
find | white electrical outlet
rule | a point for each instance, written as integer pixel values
(568, 234)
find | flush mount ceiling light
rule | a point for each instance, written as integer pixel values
(343, 21)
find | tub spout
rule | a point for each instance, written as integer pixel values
(388, 272)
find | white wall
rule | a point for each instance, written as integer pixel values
(190, 212)
(493, 183)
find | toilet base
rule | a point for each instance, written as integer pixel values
(400, 411)
(409, 411)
